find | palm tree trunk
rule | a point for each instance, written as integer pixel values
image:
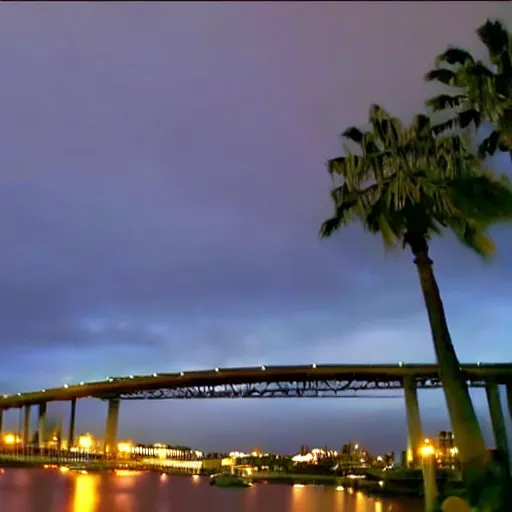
(468, 435)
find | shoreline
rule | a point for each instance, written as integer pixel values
(368, 486)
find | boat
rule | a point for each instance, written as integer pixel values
(227, 480)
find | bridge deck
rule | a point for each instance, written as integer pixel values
(261, 382)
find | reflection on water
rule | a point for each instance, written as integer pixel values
(31, 490)
(86, 493)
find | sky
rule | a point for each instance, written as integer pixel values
(162, 183)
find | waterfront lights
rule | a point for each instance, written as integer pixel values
(10, 439)
(427, 450)
(85, 442)
(263, 368)
(111, 379)
(6, 396)
(313, 365)
(43, 390)
(132, 377)
(400, 363)
(124, 447)
(82, 383)
(66, 386)
(155, 375)
(182, 374)
(216, 369)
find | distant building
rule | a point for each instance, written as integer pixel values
(446, 451)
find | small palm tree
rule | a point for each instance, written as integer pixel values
(482, 93)
(407, 185)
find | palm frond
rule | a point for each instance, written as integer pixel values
(489, 145)
(473, 236)
(455, 56)
(444, 126)
(445, 101)
(481, 93)
(442, 75)
(354, 134)
(495, 37)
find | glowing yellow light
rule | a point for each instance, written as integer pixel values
(340, 488)
(9, 439)
(86, 493)
(63, 469)
(124, 447)
(126, 472)
(85, 442)
(427, 450)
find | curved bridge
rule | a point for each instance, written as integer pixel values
(308, 381)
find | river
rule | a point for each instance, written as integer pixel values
(38, 490)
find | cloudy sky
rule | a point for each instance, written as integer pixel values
(162, 183)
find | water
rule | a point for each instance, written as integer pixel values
(34, 490)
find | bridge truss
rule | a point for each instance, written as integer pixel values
(292, 389)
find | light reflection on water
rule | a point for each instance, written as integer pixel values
(86, 493)
(31, 490)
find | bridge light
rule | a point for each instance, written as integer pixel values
(263, 368)
(66, 386)
(43, 390)
(82, 383)
(155, 375)
(131, 377)
(216, 369)
(6, 396)
(111, 380)
(313, 365)
(400, 363)
(478, 364)
(182, 374)
(19, 394)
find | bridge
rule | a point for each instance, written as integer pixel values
(305, 381)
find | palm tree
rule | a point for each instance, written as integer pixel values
(481, 93)
(407, 185)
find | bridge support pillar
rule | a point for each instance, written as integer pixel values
(414, 437)
(41, 425)
(509, 399)
(26, 426)
(71, 431)
(497, 419)
(111, 427)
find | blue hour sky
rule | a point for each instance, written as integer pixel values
(162, 183)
